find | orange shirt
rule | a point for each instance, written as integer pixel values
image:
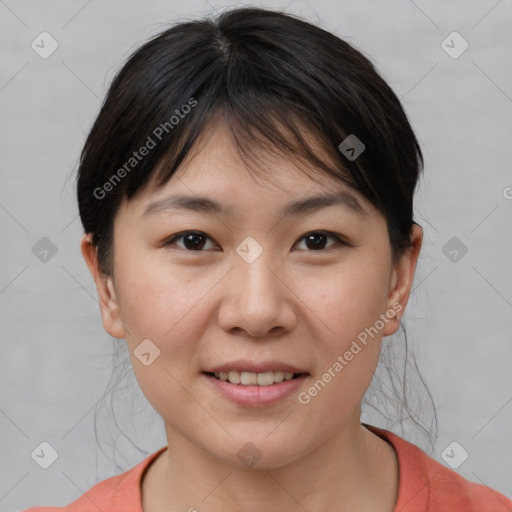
(425, 485)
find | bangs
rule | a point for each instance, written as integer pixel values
(282, 134)
(281, 85)
(264, 117)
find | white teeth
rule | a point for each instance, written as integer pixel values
(252, 379)
(279, 376)
(234, 377)
(265, 379)
(248, 378)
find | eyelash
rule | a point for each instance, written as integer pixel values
(340, 241)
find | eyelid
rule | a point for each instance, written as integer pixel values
(340, 239)
(170, 240)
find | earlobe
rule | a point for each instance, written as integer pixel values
(394, 309)
(110, 311)
(109, 305)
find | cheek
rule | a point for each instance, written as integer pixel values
(348, 299)
(156, 298)
(163, 306)
(348, 306)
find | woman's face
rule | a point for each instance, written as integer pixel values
(261, 288)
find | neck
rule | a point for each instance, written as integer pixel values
(354, 470)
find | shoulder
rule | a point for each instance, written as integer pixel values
(120, 493)
(426, 485)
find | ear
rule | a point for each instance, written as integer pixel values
(109, 305)
(402, 277)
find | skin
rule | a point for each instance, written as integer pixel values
(294, 303)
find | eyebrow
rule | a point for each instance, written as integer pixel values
(302, 207)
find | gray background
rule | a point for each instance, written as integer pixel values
(56, 358)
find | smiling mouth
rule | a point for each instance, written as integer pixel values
(255, 379)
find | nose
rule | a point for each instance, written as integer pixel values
(257, 298)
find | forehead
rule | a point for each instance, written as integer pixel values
(215, 179)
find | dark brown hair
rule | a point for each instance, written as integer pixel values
(269, 74)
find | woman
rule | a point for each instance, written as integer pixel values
(247, 195)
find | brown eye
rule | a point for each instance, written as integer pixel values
(192, 240)
(316, 240)
(195, 241)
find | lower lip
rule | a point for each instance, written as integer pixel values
(256, 395)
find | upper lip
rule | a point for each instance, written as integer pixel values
(251, 366)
